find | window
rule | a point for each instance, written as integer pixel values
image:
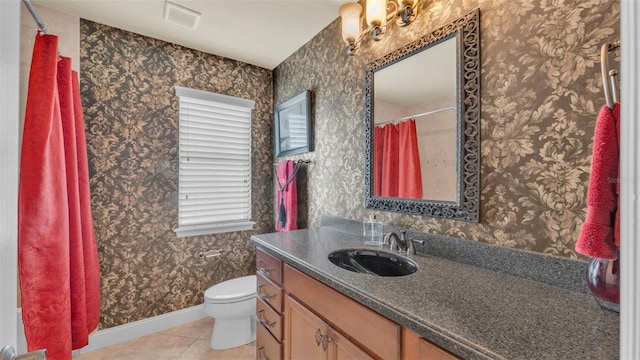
(214, 185)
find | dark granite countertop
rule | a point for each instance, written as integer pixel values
(471, 311)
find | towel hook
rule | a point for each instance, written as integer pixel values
(609, 85)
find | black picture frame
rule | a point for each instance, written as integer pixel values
(292, 125)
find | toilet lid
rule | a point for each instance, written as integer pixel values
(238, 289)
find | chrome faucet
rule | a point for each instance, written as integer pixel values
(401, 243)
(396, 243)
(391, 239)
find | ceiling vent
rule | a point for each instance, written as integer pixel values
(180, 15)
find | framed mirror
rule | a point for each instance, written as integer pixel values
(293, 125)
(422, 125)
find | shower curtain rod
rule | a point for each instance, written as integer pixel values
(415, 116)
(35, 16)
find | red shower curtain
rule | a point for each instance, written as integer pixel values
(396, 161)
(378, 148)
(410, 179)
(57, 253)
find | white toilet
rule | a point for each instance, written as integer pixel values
(232, 304)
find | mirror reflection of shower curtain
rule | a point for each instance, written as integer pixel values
(396, 161)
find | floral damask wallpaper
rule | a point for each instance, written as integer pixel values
(540, 93)
(131, 115)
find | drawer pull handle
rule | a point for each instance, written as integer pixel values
(268, 324)
(266, 270)
(261, 355)
(264, 296)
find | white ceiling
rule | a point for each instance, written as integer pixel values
(259, 32)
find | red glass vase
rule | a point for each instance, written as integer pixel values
(603, 280)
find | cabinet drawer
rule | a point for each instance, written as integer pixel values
(270, 319)
(268, 266)
(267, 347)
(270, 293)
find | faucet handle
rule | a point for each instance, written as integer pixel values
(411, 250)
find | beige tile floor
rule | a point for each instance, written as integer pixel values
(186, 342)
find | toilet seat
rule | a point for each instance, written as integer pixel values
(230, 291)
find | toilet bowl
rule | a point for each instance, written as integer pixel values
(232, 304)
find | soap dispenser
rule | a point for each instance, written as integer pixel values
(372, 231)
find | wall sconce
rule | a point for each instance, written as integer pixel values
(377, 14)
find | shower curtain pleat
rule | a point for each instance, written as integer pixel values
(410, 179)
(390, 159)
(51, 247)
(378, 147)
(89, 245)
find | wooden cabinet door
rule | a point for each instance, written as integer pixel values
(304, 332)
(431, 351)
(342, 349)
(416, 347)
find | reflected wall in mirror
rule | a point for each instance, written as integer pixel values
(422, 125)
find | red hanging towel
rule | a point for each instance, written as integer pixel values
(598, 234)
(58, 262)
(409, 172)
(287, 199)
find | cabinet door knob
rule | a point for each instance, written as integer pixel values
(323, 339)
(325, 342)
(319, 336)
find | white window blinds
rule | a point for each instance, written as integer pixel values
(214, 185)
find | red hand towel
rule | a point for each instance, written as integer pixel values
(287, 199)
(597, 237)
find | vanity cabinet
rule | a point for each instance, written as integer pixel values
(268, 307)
(302, 318)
